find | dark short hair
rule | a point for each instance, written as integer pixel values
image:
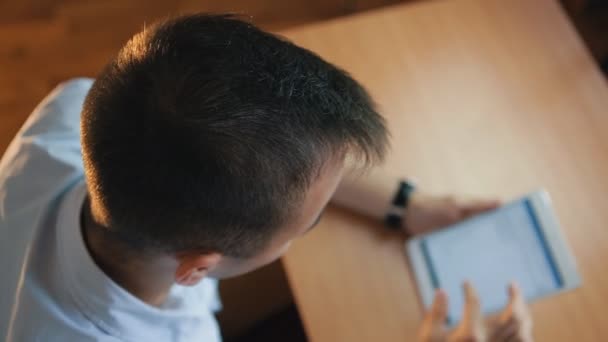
(204, 133)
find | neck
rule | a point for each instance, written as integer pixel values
(145, 277)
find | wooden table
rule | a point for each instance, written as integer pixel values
(483, 97)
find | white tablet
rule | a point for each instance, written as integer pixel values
(519, 242)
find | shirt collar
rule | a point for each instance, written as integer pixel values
(113, 309)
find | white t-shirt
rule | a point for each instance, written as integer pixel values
(50, 287)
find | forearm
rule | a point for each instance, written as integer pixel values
(372, 195)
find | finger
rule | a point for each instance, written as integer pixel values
(472, 310)
(471, 327)
(433, 326)
(517, 312)
(514, 292)
(516, 304)
(438, 313)
(479, 206)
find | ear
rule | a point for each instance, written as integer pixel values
(194, 267)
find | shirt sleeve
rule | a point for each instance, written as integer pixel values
(45, 154)
(55, 120)
(59, 113)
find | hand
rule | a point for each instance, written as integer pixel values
(514, 324)
(425, 213)
(471, 327)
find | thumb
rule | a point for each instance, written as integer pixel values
(515, 319)
(438, 313)
(433, 326)
(472, 310)
(516, 302)
(471, 327)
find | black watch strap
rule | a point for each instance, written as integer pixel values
(395, 216)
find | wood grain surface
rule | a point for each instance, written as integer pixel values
(483, 98)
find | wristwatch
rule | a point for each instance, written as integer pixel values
(394, 218)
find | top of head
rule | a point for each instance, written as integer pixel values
(205, 132)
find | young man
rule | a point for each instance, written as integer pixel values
(200, 152)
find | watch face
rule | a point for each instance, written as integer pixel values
(403, 194)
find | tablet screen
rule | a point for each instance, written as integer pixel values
(491, 251)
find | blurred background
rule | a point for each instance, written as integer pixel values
(43, 42)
